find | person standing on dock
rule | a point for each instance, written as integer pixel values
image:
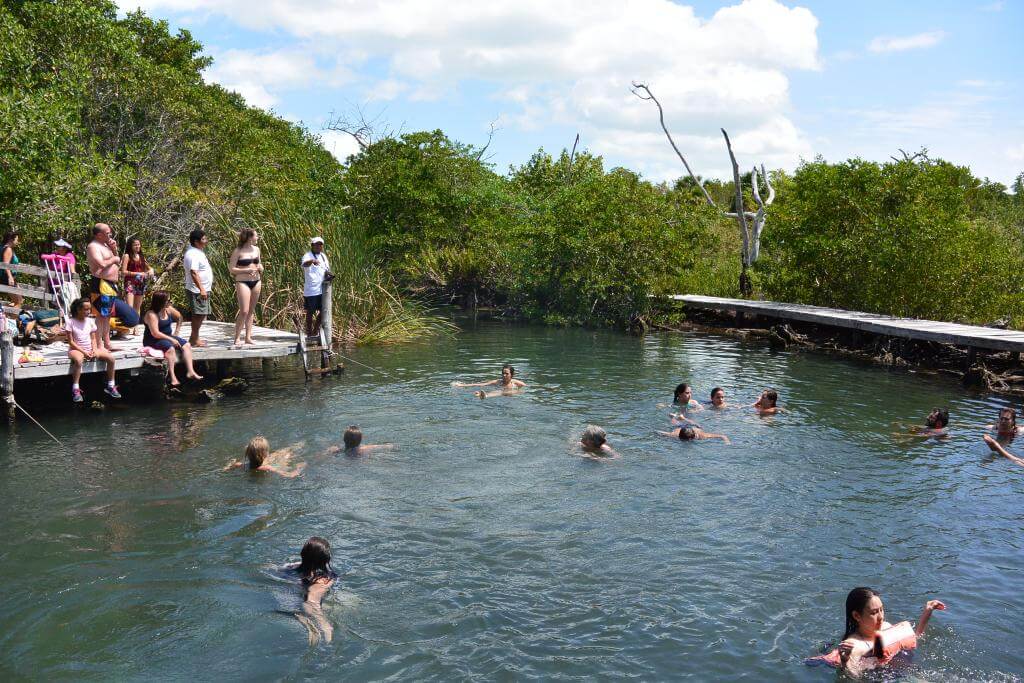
(105, 268)
(198, 282)
(315, 267)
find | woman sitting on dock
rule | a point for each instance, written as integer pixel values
(83, 345)
(509, 384)
(247, 270)
(158, 335)
(258, 458)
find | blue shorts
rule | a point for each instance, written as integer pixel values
(313, 304)
(164, 344)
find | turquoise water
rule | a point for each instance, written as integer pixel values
(484, 547)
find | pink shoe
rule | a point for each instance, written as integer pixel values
(76, 395)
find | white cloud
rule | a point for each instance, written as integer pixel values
(901, 43)
(1015, 153)
(259, 75)
(556, 61)
(341, 145)
(994, 6)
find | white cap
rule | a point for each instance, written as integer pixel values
(316, 240)
(61, 243)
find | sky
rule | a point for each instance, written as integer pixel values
(788, 81)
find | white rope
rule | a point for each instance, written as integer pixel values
(18, 405)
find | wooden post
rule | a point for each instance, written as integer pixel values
(7, 373)
(326, 323)
(972, 356)
(268, 366)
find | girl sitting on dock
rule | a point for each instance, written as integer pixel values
(258, 458)
(158, 335)
(83, 345)
(509, 384)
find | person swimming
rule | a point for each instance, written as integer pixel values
(865, 618)
(997, 447)
(317, 577)
(258, 458)
(353, 440)
(509, 383)
(694, 433)
(683, 396)
(767, 402)
(1006, 424)
(936, 424)
(718, 398)
(594, 442)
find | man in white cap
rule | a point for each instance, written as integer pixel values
(315, 266)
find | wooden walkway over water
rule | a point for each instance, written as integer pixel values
(270, 343)
(971, 336)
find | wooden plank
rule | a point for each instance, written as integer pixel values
(908, 328)
(38, 271)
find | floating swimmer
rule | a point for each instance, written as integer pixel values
(509, 384)
(694, 434)
(594, 443)
(1006, 425)
(869, 640)
(767, 402)
(353, 440)
(718, 398)
(998, 448)
(258, 458)
(317, 577)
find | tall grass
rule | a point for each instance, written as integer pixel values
(367, 304)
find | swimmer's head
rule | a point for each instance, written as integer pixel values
(316, 559)
(684, 392)
(687, 434)
(1007, 420)
(938, 418)
(863, 609)
(352, 436)
(257, 451)
(507, 372)
(717, 396)
(769, 397)
(593, 437)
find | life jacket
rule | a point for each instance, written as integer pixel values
(889, 643)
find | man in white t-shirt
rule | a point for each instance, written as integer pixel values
(315, 266)
(198, 282)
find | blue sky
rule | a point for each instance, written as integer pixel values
(789, 81)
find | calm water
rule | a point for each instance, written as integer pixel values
(484, 549)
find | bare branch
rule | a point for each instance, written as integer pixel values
(363, 130)
(741, 215)
(572, 157)
(768, 183)
(638, 89)
(490, 136)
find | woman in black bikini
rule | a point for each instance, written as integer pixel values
(247, 270)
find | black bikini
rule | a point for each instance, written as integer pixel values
(249, 262)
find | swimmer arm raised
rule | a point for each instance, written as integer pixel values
(997, 447)
(926, 614)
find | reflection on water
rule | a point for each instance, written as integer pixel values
(484, 547)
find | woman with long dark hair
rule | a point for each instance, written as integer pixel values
(158, 320)
(247, 270)
(317, 578)
(136, 271)
(7, 255)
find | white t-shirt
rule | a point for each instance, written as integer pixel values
(82, 332)
(195, 259)
(315, 273)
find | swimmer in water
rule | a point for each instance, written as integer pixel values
(317, 577)
(509, 383)
(354, 446)
(694, 434)
(258, 458)
(767, 403)
(683, 397)
(718, 398)
(936, 424)
(865, 617)
(998, 448)
(1006, 425)
(594, 443)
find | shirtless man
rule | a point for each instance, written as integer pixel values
(105, 268)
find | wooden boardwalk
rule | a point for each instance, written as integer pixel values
(971, 336)
(219, 335)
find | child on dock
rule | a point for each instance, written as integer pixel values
(354, 446)
(83, 343)
(258, 458)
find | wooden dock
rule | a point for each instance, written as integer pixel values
(270, 343)
(970, 336)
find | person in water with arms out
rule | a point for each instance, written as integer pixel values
(865, 619)
(998, 448)
(258, 458)
(509, 384)
(694, 433)
(353, 440)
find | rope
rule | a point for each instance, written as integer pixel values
(18, 405)
(363, 364)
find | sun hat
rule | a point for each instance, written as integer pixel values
(61, 243)
(317, 239)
